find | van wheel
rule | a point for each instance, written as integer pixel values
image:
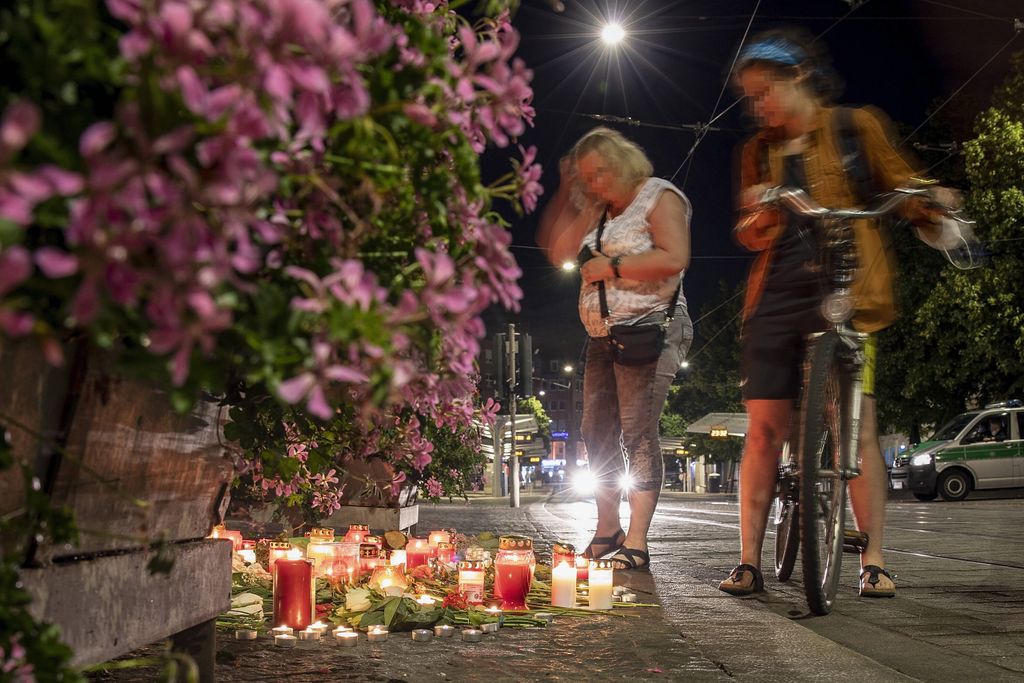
(926, 496)
(954, 485)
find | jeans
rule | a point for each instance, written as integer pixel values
(622, 407)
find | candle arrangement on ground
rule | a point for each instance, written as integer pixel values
(434, 598)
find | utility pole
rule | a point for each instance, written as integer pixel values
(513, 460)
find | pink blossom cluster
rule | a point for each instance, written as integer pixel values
(181, 225)
(13, 665)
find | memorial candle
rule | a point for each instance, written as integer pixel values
(435, 537)
(234, 536)
(417, 552)
(369, 558)
(278, 550)
(563, 585)
(293, 591)
(601, 584)
(356, 533)
(582, 568)
(445, 552)
(397, 558)
(563, 552)
(471, 581)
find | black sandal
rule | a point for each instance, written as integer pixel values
(736, 583)
(869, 582)
(632, 559)
(612, 543)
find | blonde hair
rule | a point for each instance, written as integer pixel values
(628, 161)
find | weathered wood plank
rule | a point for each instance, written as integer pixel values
(107, 606)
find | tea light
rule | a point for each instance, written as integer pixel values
(285, 640)
(563, 585)
(601, 584)
(494, 611)
(282, 630)
(472, 635)
(310, 635)
(377, 635)
(346, 638)
(546, 617)
(627, 597)
(619, 590)
(490, 627)
(319, 626)
(246, 634)
(444, 630)
(397, 558)
(422, 635)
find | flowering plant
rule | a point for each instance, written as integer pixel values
(278, 202)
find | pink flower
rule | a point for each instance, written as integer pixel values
(434, 488)
(20, 122)
(529, 178)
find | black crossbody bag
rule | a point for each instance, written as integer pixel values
(634, 344)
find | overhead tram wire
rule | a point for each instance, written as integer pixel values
(702, 132)
(964, 9)
(998, 52)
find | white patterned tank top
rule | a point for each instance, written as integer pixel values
(629, 233)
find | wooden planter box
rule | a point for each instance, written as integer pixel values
(379, 508)
(100, 443)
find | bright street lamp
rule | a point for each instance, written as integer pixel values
(568, 266)
(612, 34)
(567, 369)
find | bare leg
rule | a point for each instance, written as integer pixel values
(868, 491)
(768, 428)
(641, 512)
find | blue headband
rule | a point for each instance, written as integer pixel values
(776, 50)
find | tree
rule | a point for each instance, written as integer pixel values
(961, 341)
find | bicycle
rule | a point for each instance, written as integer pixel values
(810, 510)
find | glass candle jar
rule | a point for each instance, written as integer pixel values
(278, 551)
(563, 552)
(471, 581)
(445, 552)
(582, 568)
(417, 552)
(513, 571)
(369, 558)
(356, 533)
(601, 588)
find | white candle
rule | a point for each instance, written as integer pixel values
(563, 585)
(346, 638)
(319, 626)
(601, 585)
(246, 634)
(444, 630)
(285, 640)
(377, 635)
(282, 630)
(422, 635)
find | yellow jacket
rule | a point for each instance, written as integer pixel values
(829, 186)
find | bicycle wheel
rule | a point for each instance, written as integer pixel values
(787, 536)
(822, 488)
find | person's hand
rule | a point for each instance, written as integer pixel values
(758, 222)
(597, 269)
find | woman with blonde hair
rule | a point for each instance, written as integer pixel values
(629, 233)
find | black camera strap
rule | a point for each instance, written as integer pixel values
(603, 297)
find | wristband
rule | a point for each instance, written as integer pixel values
(616, 260)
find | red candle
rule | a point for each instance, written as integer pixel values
(563, 552)
(582, 568)
(436, 537)
(512, 583)
(417, 552)
(293, 592)
(369, 558)
(356, 533)
(445, 552)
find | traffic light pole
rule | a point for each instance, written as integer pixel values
(513, 461)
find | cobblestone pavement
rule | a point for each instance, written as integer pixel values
(958, 615)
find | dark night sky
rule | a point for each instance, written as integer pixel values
(904, 56)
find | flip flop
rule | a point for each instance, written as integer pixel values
(737, 583)
(869, 583)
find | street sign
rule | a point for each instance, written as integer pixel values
(524, 438)
(719, 432)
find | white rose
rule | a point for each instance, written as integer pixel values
(357, 600)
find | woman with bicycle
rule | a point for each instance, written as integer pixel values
(803, 142)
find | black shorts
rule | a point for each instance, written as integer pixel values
(773, 343)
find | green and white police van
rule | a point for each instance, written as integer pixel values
(979, 449)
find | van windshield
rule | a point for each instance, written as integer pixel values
(953, 427)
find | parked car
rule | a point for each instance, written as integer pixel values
(979, 449)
